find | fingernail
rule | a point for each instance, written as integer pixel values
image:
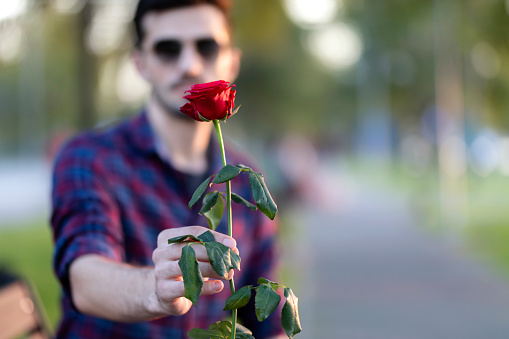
(218, 286)
(229, 242)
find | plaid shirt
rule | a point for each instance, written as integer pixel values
(113, 194)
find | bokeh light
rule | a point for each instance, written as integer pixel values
(12, 8)
(68, 6)
(452, 157)
(130, 87)
(11, 37)
(485, 60)
(504, 155)
(108, 26)
(306, 12)
(337, 46)
(484, 154)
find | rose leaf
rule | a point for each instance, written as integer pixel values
(261, 195)
(199, 333)
(226, 173)
(290, 314)
(239, 200)
(199, 192)
(222, 258)
(238, 299)
(193, 281)
(206, 237)
(183, 238)
(216, 213)
(209, 201)
(266, 301)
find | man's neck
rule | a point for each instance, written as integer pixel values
(185, 142)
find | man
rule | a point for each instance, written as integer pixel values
(119, 194)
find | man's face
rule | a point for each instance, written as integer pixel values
(183, 47)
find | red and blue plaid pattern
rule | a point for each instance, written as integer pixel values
(113, 194)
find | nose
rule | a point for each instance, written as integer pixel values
(190, 62)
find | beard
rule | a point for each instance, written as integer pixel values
(171, 108)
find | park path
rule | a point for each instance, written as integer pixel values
(364, 270)
(24, 190)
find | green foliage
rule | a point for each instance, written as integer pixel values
(215, 215)
(225, 327)
(273, 284)
(261, 195)
(238, 299)
(209, 201)
(266, 301)
(191, 273)
(226, 173)
(244, 168)
(206, 237)
(199, 192)
(222, 258)
(290, 314)
(239, 200)
(221, 330)
(183, 238)
(198, 333)
(213, 203)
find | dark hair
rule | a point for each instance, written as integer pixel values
(146, 6)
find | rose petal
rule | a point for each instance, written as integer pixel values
(213, 100)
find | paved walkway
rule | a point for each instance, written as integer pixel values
(24, 190)
(370, 273)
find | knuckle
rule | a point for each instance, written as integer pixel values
(179, 288)
(159, 271)
(161, 237)
(168, 269)
(160, 288)
(197, 230)
(156, 255)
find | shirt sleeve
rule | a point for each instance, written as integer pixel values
(85, 218)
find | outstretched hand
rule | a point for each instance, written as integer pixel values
(168, 276)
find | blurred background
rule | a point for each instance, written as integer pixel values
(381, 126)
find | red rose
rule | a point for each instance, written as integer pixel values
(210, 101)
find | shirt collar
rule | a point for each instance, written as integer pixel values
(141, 133)
(145, 140)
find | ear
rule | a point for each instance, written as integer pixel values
(236, 56)
(141, 64)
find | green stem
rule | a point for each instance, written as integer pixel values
(229, 214)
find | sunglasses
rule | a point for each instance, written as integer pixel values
(170, 50)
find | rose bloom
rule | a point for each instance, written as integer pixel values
(210, 101)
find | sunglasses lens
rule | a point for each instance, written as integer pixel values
(208, 48)
(168, 50)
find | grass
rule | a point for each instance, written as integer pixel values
(487, 230)
(26, 250)
(491, 242)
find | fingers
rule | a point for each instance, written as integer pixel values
(170, 255)
(212, 287)
(162, 239)
(170, 291)
(170, 287)
(174, 251)
(171, 270)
